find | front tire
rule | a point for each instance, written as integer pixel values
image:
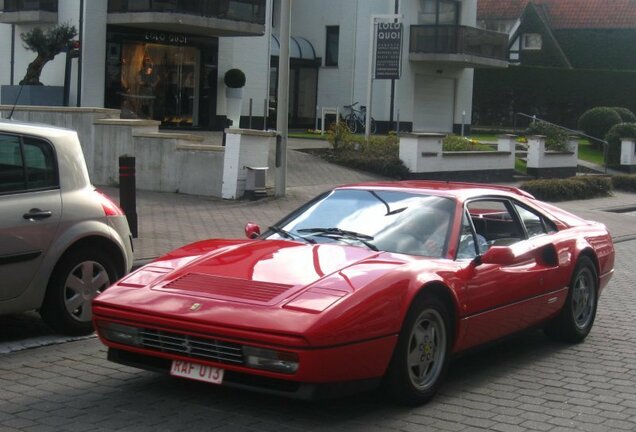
(420, 359)
(575, 320)
(77, 279)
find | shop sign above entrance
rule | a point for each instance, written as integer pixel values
(388, 50)
(166, 38)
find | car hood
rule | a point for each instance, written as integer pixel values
(275, 286)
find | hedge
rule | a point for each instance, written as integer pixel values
(626, 115)
(624, 182)
(597, 121)
(581, 187)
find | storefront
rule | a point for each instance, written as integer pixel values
(169, 77)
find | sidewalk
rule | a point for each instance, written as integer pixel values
(170, 220)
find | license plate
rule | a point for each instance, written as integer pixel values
(195, 371)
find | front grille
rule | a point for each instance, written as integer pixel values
(190, 346)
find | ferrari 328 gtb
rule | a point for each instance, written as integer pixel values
(365, 285)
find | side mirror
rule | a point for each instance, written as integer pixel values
(252, 230)
(501, 255)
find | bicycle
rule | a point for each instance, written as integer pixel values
(357, 117)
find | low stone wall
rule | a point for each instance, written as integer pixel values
(113, 138)
(80, 120)
(165, 162)
(423, 155)
(542, 163)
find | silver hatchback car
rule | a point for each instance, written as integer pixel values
(61, 241)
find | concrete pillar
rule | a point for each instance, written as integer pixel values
(536, 151)
(507, 143)
(419, 151)
(243, 148)
(628, 154)
(573, 145)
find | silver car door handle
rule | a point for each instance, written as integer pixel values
(37, 214)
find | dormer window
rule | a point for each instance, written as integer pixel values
(531, 41)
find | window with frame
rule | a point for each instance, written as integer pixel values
(534, 223)
(332, 42)
(26, 164)
(495, 221)
(531, 41)
(439, 12)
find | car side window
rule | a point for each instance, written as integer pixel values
(470, 243)
(534, 223)
(494, 220)
(26, 164)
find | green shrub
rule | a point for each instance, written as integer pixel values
(380, 155)
(626, 115)
(624, 182)
(555, 138)
(453, 142)
(613, 138)
(596, 122)
(234, 78)
(582, 187)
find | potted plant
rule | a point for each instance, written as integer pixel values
(234, 80)
(47, 44)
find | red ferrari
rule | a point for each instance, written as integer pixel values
(366, 285)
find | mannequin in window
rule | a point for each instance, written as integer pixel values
(147, 79)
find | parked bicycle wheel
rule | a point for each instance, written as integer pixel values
(352, 123)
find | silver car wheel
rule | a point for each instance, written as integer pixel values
(583, 298)
(82, 285)
(426, 349)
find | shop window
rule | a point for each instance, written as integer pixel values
(160, 82)
(331, 45)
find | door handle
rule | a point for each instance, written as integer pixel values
(37, 214)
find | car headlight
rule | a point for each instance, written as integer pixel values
(120, 333)
(266, 359)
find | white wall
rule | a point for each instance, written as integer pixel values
(250, 54)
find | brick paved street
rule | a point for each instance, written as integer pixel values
(526, 384)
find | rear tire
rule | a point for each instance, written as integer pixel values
(77, 279)
(420, 359)
(352, 123)
(575, 320)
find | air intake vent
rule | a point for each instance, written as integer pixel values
(225, 288)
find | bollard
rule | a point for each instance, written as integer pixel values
(128, 191)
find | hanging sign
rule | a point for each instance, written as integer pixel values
(388, 51)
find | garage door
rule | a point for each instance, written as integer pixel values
(433, 105)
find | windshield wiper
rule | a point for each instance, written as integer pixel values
(337, 232)
(286, 234)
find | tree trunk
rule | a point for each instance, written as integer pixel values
(34, 70)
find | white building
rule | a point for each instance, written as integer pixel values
(189, 45)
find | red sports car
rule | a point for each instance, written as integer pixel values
(367, 284)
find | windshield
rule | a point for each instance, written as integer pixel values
(380, 220)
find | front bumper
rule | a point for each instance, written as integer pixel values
(253, 382)
(320, 372)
